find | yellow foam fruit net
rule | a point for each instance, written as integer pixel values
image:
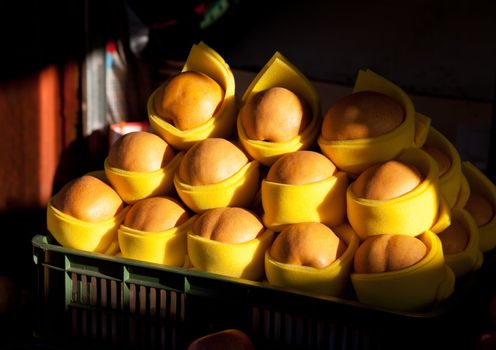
(479, 183)
(166, 247)
(240, 260)
(471, 258)
(330, 280)
(202, 59)
(73, 233)
(416, 287)
(422, 127)
(354, 156)
(133, 186)
(114, 248)
(239, 190)
(449, 182)
(323, 201)
(279, 72)
(463, 194)
(443, 219)
(410, 214)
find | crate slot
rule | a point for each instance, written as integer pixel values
(92, 292)
(135, 331)
(279, 327)
(156, 303)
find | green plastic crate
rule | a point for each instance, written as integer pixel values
(88, 299)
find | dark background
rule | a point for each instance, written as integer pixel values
(437, 48)
(443, 48)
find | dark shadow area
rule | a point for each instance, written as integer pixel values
(439, 49)
(491, 166)
(17, 274)
(36, 33)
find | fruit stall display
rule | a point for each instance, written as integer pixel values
(354, 227)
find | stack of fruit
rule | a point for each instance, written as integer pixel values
(266, 187)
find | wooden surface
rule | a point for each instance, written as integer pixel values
(39, 116)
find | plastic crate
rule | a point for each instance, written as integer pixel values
(93, 299)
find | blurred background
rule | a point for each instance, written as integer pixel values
(69, 70)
